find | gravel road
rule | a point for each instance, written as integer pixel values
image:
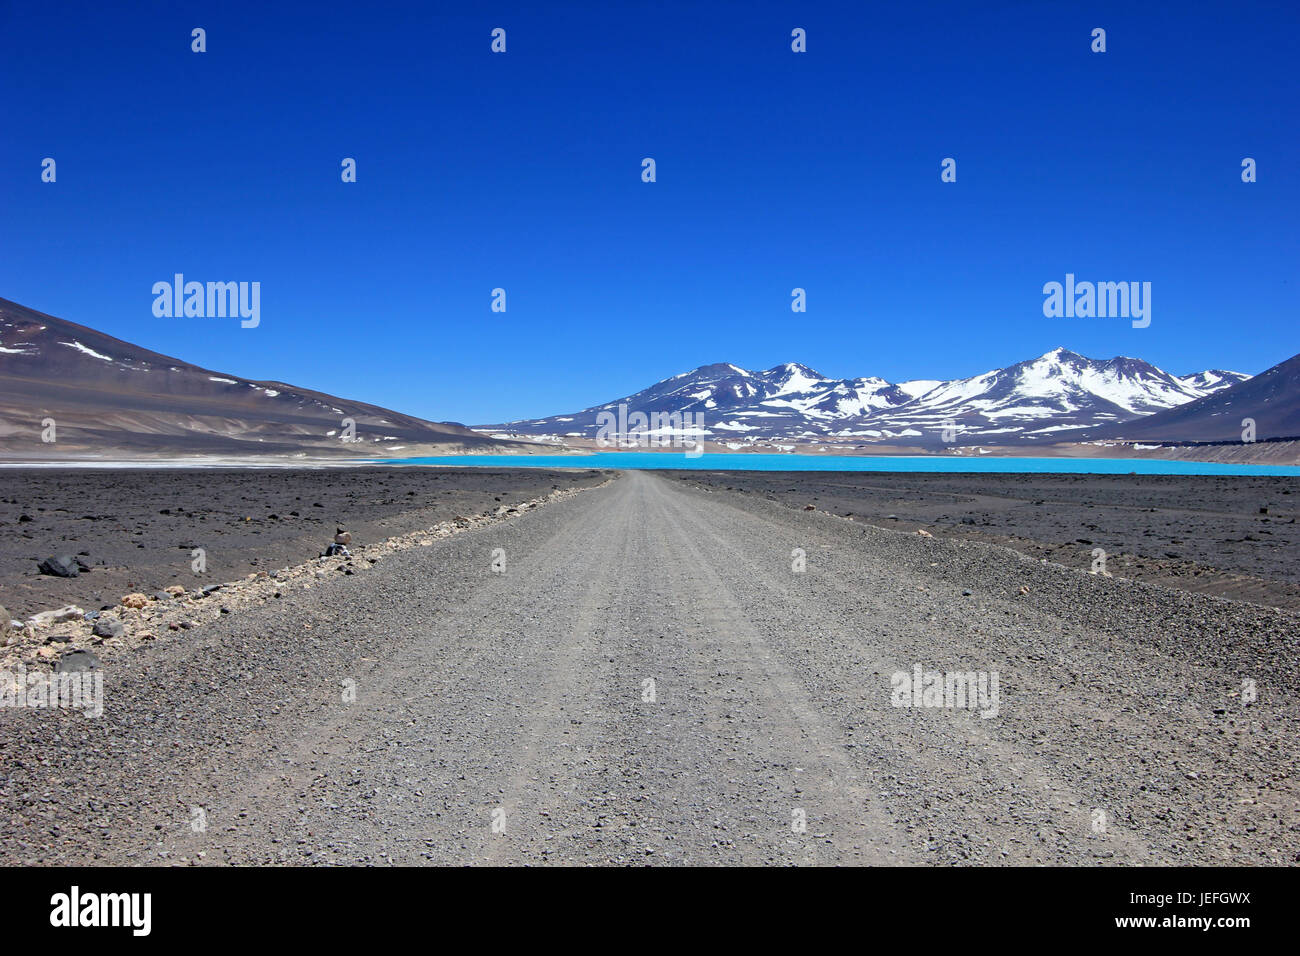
(505, 717)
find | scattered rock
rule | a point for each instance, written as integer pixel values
(175, 590)
(923, 533)
(63, 566)
(69, 612)
(78, 660)
(136, 601)
(108, 627)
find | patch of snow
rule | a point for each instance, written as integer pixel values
(919, 386)
(1058, 428)
(86, 350)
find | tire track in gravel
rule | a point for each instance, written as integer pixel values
(712, 769)
(485, 695)
(843, 822)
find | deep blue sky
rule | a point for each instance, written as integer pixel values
(775, 170)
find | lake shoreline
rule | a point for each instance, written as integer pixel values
(993, 464)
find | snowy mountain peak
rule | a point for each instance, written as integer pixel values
(1035, 400)
(1212, 380)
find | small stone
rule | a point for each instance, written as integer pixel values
(78, 660)
(63, 566)
(134, 600)
(108, 627)
(69, 612)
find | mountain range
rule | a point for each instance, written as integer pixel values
(1051, 398)
(111, 399)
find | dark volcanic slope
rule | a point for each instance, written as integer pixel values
(1271, 398)
(108, 396)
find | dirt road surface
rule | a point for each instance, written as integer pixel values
(435, 710)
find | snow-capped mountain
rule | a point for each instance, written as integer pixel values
(1213, 380)
(1038, 400)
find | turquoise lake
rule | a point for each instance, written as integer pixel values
(721, 462)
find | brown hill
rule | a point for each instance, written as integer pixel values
(111, 399)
